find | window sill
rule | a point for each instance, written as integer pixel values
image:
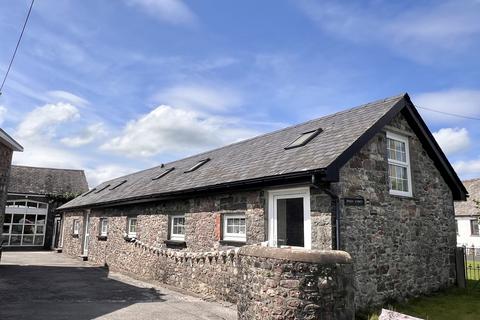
(102, 238)
(234, 243)
(129, 238)
(176, 244)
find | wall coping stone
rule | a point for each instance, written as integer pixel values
(299, 255)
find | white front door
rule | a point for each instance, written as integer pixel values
(289, 222)
(86, 235)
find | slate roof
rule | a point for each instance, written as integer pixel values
(33, 180)
(260, 158)
(468, 208)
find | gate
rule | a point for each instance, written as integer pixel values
(468, 263)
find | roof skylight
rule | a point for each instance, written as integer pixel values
(118, 185)
(102, 188)
(198, 165)
(88, 192)
(163, 173)
(304, 138)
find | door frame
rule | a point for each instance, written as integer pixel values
(54, 238)
(299, 192)
(86, 232)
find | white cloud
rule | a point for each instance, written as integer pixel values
(458, 101)
(41, 122)
(467, 169)
(177, 131)
(102, 173)
(199, 97)
(423, 33)
(452, 140)
(65, 96)
(91, 133)
(3, 113)
(171, 11)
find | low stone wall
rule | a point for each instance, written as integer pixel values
(295, 284)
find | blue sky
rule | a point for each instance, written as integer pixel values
(118, 86)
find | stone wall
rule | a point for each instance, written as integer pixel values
(295, 284)
(72, 244)
(400, 246)
(5, 162)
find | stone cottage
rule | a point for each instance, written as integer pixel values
(371, 181)
(7, 146)
(33, 195)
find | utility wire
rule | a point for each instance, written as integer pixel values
(450, 114)
(16, 47)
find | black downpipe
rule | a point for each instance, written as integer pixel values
(336, 201)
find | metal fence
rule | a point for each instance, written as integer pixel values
(472, 263)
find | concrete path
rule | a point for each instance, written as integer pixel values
(48, 285)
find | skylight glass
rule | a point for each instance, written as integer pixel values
(118, 185)
(303, 139)
(102, 188)
(163, 173)
(88, 192)
(198, 165)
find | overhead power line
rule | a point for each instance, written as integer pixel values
(16, 47)
(450, 114)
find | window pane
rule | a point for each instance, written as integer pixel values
(27, 240)
(18, 218)
(17, 229)
(31, 204)
(41, 219)
(29, 229)
(30, 219)
(398, 178)
(6, 228)
(15, 240)
(8, 218)
(40, 229)
(42, 205)
(38, 240)
(396, 150)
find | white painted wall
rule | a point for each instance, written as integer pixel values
(464, 237)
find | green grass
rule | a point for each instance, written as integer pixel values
(453, 303)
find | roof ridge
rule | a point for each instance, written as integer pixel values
(46, 168)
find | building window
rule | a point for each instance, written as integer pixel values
(399, 165)
(103, 227)
(474, 227)
(132, 227)
(24, 223)
(177, 228)
(76, 226)
(456, 225)
(234, 227)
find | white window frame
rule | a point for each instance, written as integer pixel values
(406, 164)
(234, 236)
(273, 196)
(103, 221)
(176, 236)
(76, 226)
(132, 234)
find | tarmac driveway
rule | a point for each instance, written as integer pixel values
(48, 285)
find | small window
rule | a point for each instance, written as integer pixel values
(76, 226)
(177, 228)
(234, 227)
(474, 227)
(132, 227)
(167, 171)
(456, 225)
(102, 188)
(103, 227)
(400, 181)
(198, 165)
(304, 138)
(118, 185)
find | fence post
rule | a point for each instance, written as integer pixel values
(460, 266)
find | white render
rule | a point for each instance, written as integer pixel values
(464, 236)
